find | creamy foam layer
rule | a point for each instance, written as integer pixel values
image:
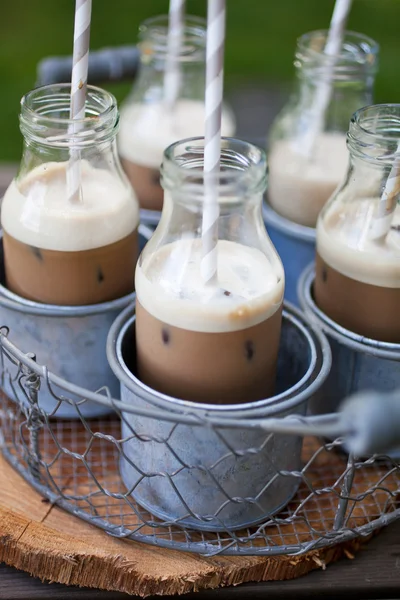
(298, 186)
(169, 286)
(36, 210)
(147, 129)
(344, 243)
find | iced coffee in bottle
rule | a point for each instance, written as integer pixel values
(308, 159)
(59, 250)
(210, 342)
(149, 121)
(357, 281)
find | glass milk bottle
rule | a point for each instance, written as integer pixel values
(149, 121)
(60, 248)
(307, 155)
(211, 342)
(357, 280)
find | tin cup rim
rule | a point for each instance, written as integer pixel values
(290, 228)
(346, 337)
(13, 301)
(316, 373)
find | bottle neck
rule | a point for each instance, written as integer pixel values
(34, 154)
(155, 44)
(188, 59)
(344, 99)
(51, 136)
(374, 135)
(190, 217)
(241, 179)
(45, 118)
(373, 141)
(350, 76)
(151, 81)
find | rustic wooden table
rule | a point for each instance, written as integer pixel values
(374, 573)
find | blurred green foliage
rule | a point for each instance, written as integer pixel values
(261, 37)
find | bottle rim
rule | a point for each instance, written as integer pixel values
(243, 168)
(374, 133)
(358, 56)
(45, 116)
(153, 38)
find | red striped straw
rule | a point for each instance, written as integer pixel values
(83, 11)
(381, 224)
(172, 79)
(212, 145)
(323, 94)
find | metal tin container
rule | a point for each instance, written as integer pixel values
(358, 363)
(192, 476)
(69, 340)
(295, 245)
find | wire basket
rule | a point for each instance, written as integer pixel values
(75, 464)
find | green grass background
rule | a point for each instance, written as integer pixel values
(261, 36)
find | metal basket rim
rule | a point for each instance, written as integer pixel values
(263, 408)
(187, 418)
(202, 547)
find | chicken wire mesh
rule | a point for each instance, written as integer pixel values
(75, 463)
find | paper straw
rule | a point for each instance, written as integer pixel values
(323, 94)
(172, 79)
(380, 225)
(212, 143)
(83, 10)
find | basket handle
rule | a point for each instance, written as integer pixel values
(373, 419)
(105, 65)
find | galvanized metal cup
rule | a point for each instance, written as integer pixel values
(295, 245)
(69, 340)
(216, 479)
(358, 363)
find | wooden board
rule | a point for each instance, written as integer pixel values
(375, 573)
(53, 545)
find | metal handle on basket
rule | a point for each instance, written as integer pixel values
(107, 64)
(368, 422)
(372, 420)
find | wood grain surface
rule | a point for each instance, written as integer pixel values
(51, 544)
(375, 573)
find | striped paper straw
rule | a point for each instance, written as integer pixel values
(380, 225)
(83, 11)
(172, 79)
(324, 91)
(212, 143)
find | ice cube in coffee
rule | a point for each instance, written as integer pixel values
(308, 158)
(150, 122)
(210, 342)
(357, 281)
(59, 249)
